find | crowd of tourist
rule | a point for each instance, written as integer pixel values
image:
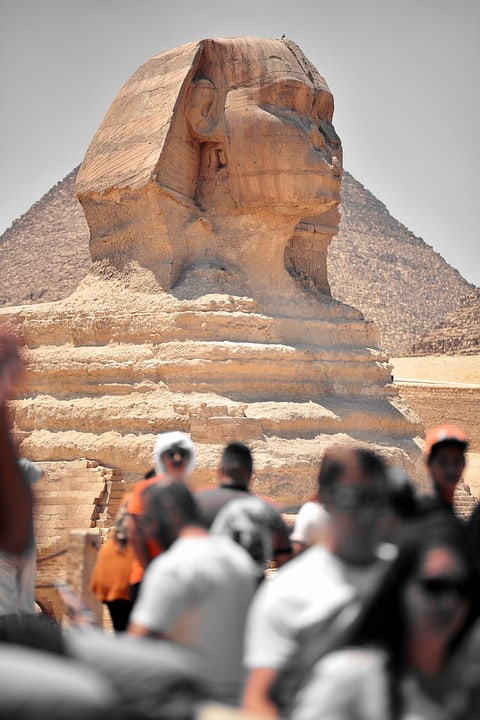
(367, 609)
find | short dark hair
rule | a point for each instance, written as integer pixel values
(445, 444)
(237, 462)
(401, 493)
(168, 508)
(337, 460)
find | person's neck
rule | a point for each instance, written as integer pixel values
(446, 497)
(425, 655)
(192, 531)
(355, 559)
(228, 482)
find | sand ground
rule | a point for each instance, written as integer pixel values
(451, 369)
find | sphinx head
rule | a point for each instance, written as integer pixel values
(234, 127)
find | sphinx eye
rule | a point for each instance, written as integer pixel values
(323, 106)
(290, 95)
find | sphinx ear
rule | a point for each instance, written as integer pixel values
(201, 110)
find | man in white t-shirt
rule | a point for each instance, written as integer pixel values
(300, 612)
(197, 592)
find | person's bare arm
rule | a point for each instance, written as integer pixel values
(15, 495)
(256, 697)
(142, 631)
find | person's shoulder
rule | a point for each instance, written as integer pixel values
(30, 471)
(311, 563)
(356, 661)
(227, 549)
(135, 504)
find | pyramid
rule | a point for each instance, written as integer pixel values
(458, 334)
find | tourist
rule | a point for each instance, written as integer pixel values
(312, 597)
(173, 459)
(311, 524)
(247, 521)
(444, 452)
(234, 476)
(15, 495)
(197, 592)
(110, 580)
(37, 681)
(402, 504)
(412, 652)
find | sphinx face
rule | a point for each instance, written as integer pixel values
(281, 148)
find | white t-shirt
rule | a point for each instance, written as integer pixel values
(197, 594)
(306, 591)
(302, 610)
(311, 524)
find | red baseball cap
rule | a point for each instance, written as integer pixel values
(444, 434)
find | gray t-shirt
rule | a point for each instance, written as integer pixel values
(197, 594)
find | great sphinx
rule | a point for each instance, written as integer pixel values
(212, 191)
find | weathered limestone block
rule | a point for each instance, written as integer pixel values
(212, 192)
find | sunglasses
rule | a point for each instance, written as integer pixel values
(349, 499)
(435, 586)
(177, 452)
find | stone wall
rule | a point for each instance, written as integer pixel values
(457, 405)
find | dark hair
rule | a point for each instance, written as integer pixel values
(449, 442)
(237, 463)
(401, 493)
(337, 461)
(168, 508)
(382, 621)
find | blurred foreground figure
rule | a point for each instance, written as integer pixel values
(311, 524)
(185, 637)
(15, 495)
(35, 684)
(312, 598)
(412, 653)
(197, 592)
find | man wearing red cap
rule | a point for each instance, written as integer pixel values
(445, 447)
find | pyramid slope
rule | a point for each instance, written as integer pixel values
(458, 334)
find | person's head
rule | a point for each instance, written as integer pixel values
(236, 465)
(167, 510)
(402, 500)
(445, 447)
(429, 594)
(173, 455)
(247, 521)
(352, 485)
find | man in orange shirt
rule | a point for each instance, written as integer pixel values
(173, 459)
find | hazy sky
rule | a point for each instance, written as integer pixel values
(404, 76)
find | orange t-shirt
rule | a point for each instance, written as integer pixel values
(111, 575)
(135, 507)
